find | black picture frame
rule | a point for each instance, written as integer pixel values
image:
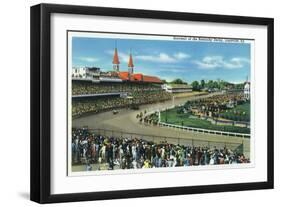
(41, 96)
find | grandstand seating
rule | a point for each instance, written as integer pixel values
(137, 94)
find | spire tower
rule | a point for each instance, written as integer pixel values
(115, 61)
(130, 64)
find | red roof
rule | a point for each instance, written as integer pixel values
(151, 79)
(115, 57)
(138, 77)
(124, 75)
(133, 77)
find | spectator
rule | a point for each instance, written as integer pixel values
(132, 153)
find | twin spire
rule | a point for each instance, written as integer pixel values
(116, 62)
(130, 64)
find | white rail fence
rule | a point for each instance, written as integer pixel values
(204, 130)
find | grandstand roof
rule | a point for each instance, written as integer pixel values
(138, 77)
(115, 57)
(124, 75)
(151, 79)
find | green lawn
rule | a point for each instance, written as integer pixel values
(238, 113)
(188, 120)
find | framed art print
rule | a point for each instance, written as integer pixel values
(132, 103)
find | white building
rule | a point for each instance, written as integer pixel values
(177, 88)
(247, 90)
(94, 74)
(86, 72)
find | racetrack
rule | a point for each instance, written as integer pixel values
(126, 121)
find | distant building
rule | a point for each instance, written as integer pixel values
(177, 88)
(247, 90)
(86, 72)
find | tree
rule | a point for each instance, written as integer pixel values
(195, 86)
(222, 84)
(239, 86)
(202, 84)
(210, 84)
(215, 84)
(178, 81)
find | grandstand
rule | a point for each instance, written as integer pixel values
(85, 87)
(109, 101)
(95, 91)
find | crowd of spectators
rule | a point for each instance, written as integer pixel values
(80, 88)
(214, 106)
(96, 105)
(96, 150)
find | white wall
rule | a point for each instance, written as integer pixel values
(14, 104)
